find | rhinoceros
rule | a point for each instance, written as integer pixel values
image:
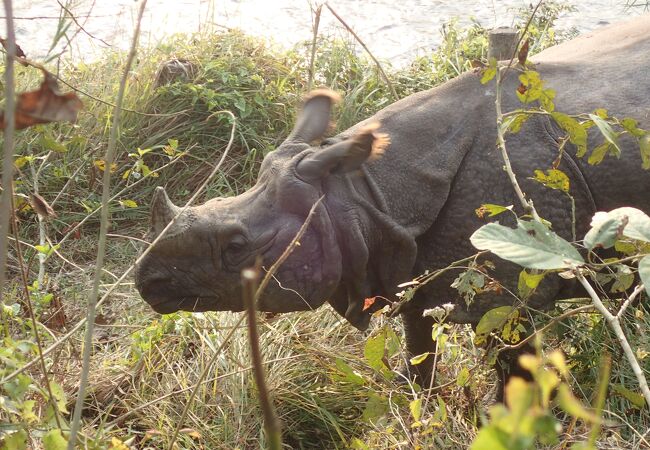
(384, 220)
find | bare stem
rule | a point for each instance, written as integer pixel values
(312, 59)
(8, 153)
(271, 422)
(101, 247)
(365, 47)
(269, 275)
(615, 325)
(501, 143)
(32, 317)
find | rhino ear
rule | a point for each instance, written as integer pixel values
(162, 211)
(365, 145)
(314, 119)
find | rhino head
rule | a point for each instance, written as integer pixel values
(196, 265)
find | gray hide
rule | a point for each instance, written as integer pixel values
(385, 221)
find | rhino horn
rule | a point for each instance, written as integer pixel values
(162, 210)
(314, 120)
(365, 145)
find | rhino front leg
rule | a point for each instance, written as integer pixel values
(418, 341)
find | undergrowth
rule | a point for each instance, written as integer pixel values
(328, 393)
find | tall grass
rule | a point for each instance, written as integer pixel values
(146, 365)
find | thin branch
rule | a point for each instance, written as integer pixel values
(265, 281)
(8, 153)
(561, 317)
(312, 59)
(271, 422)
(629, 300)
(615, 325)
(365, 47)
(32, 317)
(101, 247)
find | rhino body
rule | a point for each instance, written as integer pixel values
(384, 221)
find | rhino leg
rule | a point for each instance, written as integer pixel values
(418, 341)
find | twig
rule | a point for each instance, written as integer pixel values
(271, 422)
(629, 300)
(571, 312)
(501, 143)
(32, 317)
(312, 59)
(8, 153)
(265, 281)
(101, 247)
(523, 33)
(615, 325)
(74, 19)
(365, 47)
(127, 272)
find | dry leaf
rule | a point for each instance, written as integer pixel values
(45, 105)
(41, 206)
(523, 52)
(19, 51)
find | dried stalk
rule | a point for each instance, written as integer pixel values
(615, 324)
(365, 47)
(272, 426)
(312, 59)
(101, 247)
(8, 153)
(265, 281)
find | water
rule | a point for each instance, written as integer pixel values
(392, 30)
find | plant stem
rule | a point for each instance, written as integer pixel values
(271, 422)
(32, 317)
(501, 143)
(312, 59)
(365, 47)
(8, 153)
(101, 248)
(615, 325)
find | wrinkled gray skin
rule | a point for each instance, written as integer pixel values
(383, 222)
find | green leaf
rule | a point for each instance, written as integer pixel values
(599, 153)
(577, 133)
(59, 397)
(491, 437)
(644, 273)
(350, 375)
(54, 440)
(633, 223)
(491, 210)
(514, 123)
(490, 72)
(528, 282)
(49, 143)
(605, 128)
(623, 280)
(463, 377)
(374, 351)
(416, 408)
(419, 358)
(376, 407)
(644, 148)
(15, 441)
(128, 203)
(571, 405)
(554, 179)
(492, 320)
(633, 397)
(530, 245)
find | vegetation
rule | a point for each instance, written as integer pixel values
(333, 387)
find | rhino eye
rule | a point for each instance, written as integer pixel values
(236, 250)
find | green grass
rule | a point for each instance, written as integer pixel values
(140, 359)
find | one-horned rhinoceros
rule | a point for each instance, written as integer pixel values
(383, 221)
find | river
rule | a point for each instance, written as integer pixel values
(393, 30)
